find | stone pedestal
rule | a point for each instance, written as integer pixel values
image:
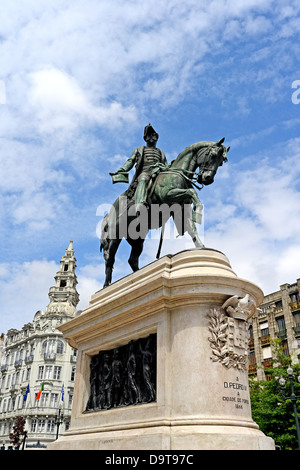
(202, 394)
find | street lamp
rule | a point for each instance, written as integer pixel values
(58, 421)
(24, 440)
(292, 397)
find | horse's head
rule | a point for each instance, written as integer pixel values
(209, 161)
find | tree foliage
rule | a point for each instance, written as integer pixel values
(274, 415)
(18, 431)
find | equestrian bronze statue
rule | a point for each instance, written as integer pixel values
(157, 192)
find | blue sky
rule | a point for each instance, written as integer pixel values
(80, 79)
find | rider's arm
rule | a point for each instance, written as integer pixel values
(129, 163)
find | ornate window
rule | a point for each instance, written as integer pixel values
(33, 425)
(54, 400)
(41, 372)
(60, 347)
(57, 372)
(48, 372)
(41, 425)
(51, 425)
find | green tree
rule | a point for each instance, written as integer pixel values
(273, 414)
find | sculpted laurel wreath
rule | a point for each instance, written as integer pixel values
(218, 325)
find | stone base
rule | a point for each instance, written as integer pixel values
(202, 394)
(203, 437)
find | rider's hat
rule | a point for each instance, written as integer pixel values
(149, 131)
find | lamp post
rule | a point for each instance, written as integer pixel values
(58, 421)
(24, 440)
(292, 397)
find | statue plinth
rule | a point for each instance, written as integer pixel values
(201, 373)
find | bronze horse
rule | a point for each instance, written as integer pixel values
(173, 188)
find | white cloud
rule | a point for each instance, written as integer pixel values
(288, 264)
(61, 103)
(57, 98)
(26, 166)
(31, 183)
(87, 286)
(112, 49)
(24, 290)
(37, 209)
(271, 194)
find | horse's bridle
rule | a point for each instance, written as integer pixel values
(194, 174)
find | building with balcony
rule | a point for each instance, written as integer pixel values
(37, 358)
(279, 318)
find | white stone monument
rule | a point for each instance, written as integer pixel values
(196, 308)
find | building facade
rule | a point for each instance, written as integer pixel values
(279, 317)
(38, 359)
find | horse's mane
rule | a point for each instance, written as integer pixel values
(191, 148)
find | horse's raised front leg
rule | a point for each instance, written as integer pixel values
(188, 196)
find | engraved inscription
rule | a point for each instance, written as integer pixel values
(238, 400)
